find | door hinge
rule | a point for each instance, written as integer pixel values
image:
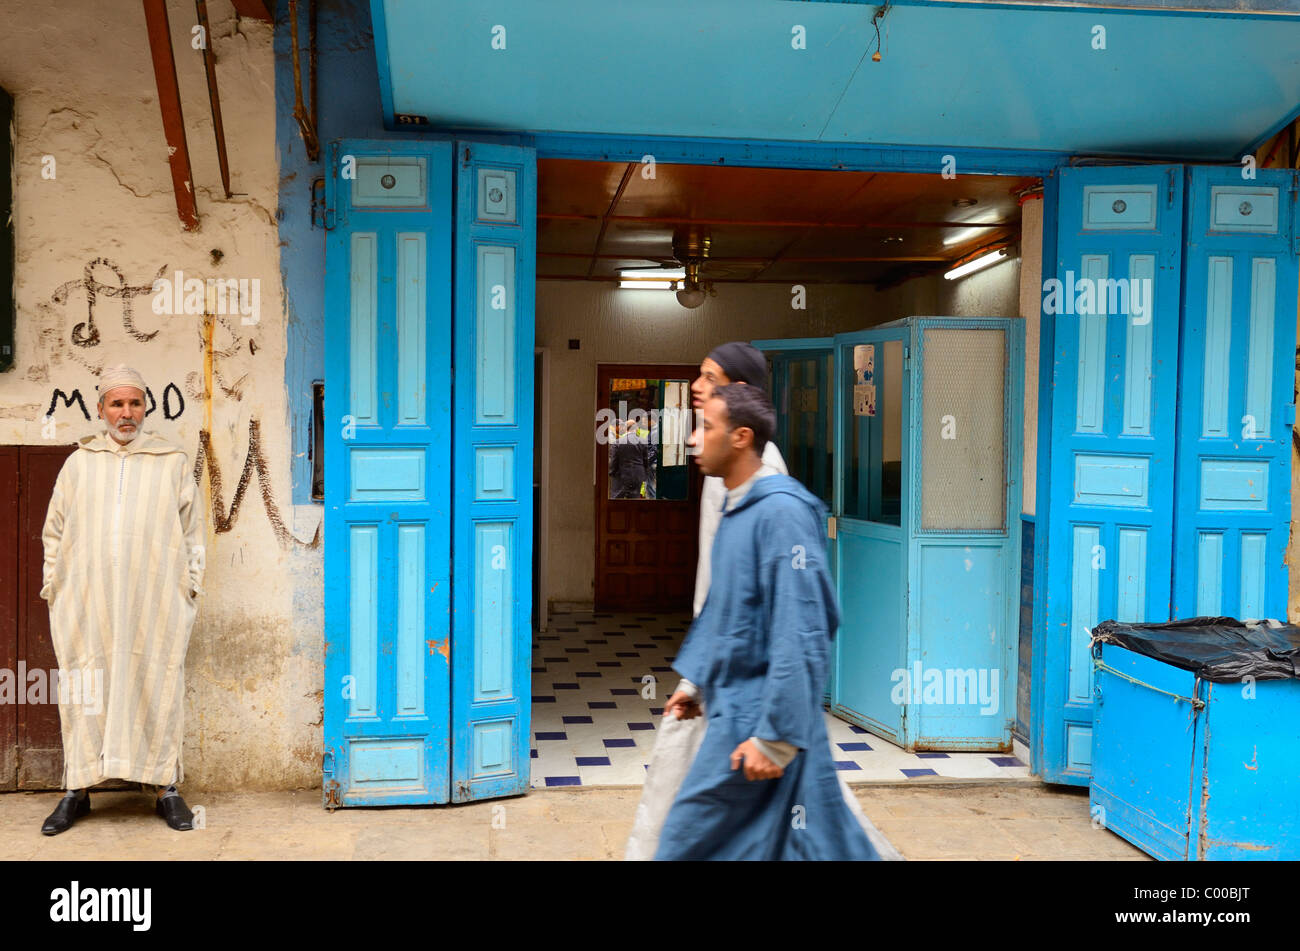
(830, 526)
(907, 355)
(1295, 186)
(1288, 414)
(332, 800)
(1171, 188)
(329, 218)
(318, 208)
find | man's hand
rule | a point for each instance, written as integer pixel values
(757, 766)
(685, 707)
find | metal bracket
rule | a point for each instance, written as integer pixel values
(318, 209)
(332, 799)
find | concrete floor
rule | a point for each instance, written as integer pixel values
(929, 821)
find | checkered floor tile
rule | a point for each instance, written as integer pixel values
(599, 684)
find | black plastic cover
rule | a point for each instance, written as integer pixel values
(1219, 649)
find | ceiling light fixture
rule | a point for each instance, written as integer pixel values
(651, 280)
(691, 298)
(969, 267)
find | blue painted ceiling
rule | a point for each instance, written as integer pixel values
(1177, 85)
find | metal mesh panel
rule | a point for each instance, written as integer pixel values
(963, 430)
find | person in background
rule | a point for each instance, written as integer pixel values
(726, 364)
(631, 462)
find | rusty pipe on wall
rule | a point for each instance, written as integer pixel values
(210, 67)
(306, 122)
(169, 102)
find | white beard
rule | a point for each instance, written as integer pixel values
(121, 437)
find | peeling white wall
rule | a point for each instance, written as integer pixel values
(85, 96)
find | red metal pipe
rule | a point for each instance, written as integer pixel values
(255, 9)
(214, 99)
(169, 102)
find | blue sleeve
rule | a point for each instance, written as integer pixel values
(803, 612)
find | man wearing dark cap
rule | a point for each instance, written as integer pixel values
(727, 363)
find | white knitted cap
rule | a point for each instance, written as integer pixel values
(119, 375)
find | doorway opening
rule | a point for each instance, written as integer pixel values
(752, 254)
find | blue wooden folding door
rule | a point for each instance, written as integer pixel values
(1172, 310)
(428, 398)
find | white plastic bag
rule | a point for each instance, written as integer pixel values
(676, 743)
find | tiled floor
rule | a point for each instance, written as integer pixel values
(599, 684)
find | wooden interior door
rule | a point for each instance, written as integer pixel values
(31, 747)
(645, 547)
(9, 469)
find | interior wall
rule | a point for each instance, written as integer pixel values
(633, 326)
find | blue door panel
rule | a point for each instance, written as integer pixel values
(870, 547)
(388, 473)
(871, 646)
(800, 386)
(492, 451)
(1114, 369)
(1237, 399)
(964, 539)
(962, 605)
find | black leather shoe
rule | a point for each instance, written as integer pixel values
(177, 814)
(68, 811)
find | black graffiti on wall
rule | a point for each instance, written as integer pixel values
(173, 403)
(254, 463)
(86, 334)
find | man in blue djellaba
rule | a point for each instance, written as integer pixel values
(763, 785)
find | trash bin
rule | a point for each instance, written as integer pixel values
(1196, 737)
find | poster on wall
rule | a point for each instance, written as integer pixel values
(864, 399)
(864, 379)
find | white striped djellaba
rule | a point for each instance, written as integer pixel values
(123, 573)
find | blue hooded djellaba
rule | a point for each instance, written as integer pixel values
(758, 652)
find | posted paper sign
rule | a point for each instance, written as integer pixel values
(864, 399)
(864, 379)
(864, 363)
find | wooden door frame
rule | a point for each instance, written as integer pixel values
(604, 373)
(15, 630)
(541, 512)
(10, 599)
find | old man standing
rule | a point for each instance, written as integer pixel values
(123, 572)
